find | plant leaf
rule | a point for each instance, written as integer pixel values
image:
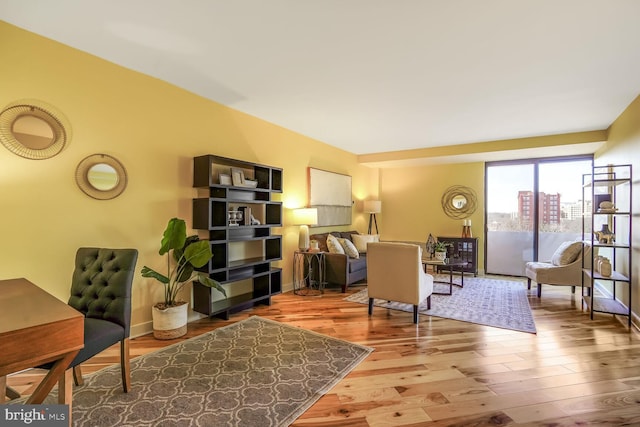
(208, 281)
(149, 272)
(198, 253)
(185, 272)
(174, 236)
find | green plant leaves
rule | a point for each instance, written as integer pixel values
(174, 236)
(189, 253)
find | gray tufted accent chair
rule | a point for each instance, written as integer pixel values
(101, 290)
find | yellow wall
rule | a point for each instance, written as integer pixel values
(411, 207)
(154, 129)
(623, 147)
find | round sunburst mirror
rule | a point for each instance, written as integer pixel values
(101, 176)
(33, 129)
(459, 202)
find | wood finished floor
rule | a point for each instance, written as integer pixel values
(574, 372)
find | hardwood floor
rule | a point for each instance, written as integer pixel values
(442, 372)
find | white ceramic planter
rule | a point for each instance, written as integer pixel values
(171, 322)
(441, 256)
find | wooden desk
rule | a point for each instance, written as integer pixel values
(37, 328)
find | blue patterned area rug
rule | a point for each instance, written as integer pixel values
(256, 372)
(491, 302)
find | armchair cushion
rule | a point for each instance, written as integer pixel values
(98, 335)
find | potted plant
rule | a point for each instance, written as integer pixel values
(440, 249)
(184, 256)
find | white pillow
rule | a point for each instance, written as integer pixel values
(360, 241)
(349, 248)
(333, 245)
(566, 253)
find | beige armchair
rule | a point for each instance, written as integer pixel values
(394, 273)
(564, 268)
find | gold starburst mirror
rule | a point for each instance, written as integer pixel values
(459, 202)
(33, 129)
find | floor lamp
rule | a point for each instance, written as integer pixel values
(372, 207)
(304, 217)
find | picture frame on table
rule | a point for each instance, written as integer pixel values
(237, 177)
(225, 179)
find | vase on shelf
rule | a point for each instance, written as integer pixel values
(605, 267)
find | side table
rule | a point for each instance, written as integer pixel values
(308, 273)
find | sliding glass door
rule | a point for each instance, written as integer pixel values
(532, 207)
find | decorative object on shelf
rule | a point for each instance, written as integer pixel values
(250, 183)
(459, 202)
(225, 179)
(430, 245)
(235, 217)
(330, 193)
(599, 198)
(466, 229)
(33, 129)
(372, 207)
(304, 217)
(237, 177)
(605, 236)
(101, 176)
(605, 267)
(606, 207)
(188, 253)
(313, 246)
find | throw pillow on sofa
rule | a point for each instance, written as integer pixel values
(360, 241)
(334, 245)
(349, 248)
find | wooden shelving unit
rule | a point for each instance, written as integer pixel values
(610, 183)
(243, 250)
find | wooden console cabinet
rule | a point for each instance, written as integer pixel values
(464, 248)
(239, 219)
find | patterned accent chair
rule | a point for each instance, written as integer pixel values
(394, 273)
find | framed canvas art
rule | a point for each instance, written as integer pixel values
(330, 193)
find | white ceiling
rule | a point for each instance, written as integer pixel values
(373, 75)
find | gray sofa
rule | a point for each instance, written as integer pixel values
(340, 269)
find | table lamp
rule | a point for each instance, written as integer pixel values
(372, 207)
(304, 217)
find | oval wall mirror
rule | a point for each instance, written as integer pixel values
(459, 202)
(33, 129)
(101, 176)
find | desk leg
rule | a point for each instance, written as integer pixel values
(56, 372)
(65, 391)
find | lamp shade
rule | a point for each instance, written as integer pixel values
(305, 216)
(372, 206)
